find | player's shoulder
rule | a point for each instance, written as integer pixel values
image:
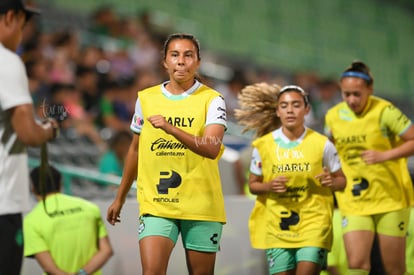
(315, 134)
(7, 55)
(10, 62)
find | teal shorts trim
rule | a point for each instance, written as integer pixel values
(393, 223)
(201, 236)
(284, 259)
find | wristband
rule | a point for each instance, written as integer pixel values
(82, 272)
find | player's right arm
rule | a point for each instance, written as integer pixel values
(27, 129)
(128, 176)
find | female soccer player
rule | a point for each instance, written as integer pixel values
(373, 139)
(294, 172)
(179, 127)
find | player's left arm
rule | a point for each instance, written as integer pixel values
(400, 125)
(332, 175)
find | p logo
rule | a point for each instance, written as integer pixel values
(293, 219)
(168, 180)
(358, 187)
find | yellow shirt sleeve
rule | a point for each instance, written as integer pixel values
(394, 121)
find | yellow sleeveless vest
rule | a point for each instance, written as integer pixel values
(375, 188)
(301, 216)
(173, 181)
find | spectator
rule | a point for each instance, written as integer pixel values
(326, 95)
(93, 56)
(145, 52)
(66, 106)
(37, 71)
(230, 92)
(87, 84)
(104, 21)
(65, 234)
(115, 113)
(112, 161)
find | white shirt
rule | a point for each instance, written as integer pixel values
(14, 171)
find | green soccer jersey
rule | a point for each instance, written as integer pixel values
(69, 231)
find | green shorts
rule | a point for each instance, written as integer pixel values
(201, 236)
(393, 223)
(284, 259)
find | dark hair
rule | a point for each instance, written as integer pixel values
(52, 182)
(297, 89)
(84, 70)
(185, 36)
(359, 69)
(18, 5)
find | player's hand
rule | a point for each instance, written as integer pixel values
(50, 124)
(114, 213)
(278, 185)
(159, 121)
(325, 178)
(373, 157)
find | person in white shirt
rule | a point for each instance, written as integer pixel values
(18, 128)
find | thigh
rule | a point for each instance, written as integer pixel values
(203, 236)
(155, 252)
(157, 238)
(200, 263)
(201, 240)
(314, 255)
(359, 233)
(281, 260)
(158, 226)
(11, 239)
(392, 253)
(358, 223)
(311, 260)
(392, 230)
(393, 223)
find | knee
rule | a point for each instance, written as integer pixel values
(359, 264)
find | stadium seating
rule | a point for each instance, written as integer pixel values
(320, 35)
